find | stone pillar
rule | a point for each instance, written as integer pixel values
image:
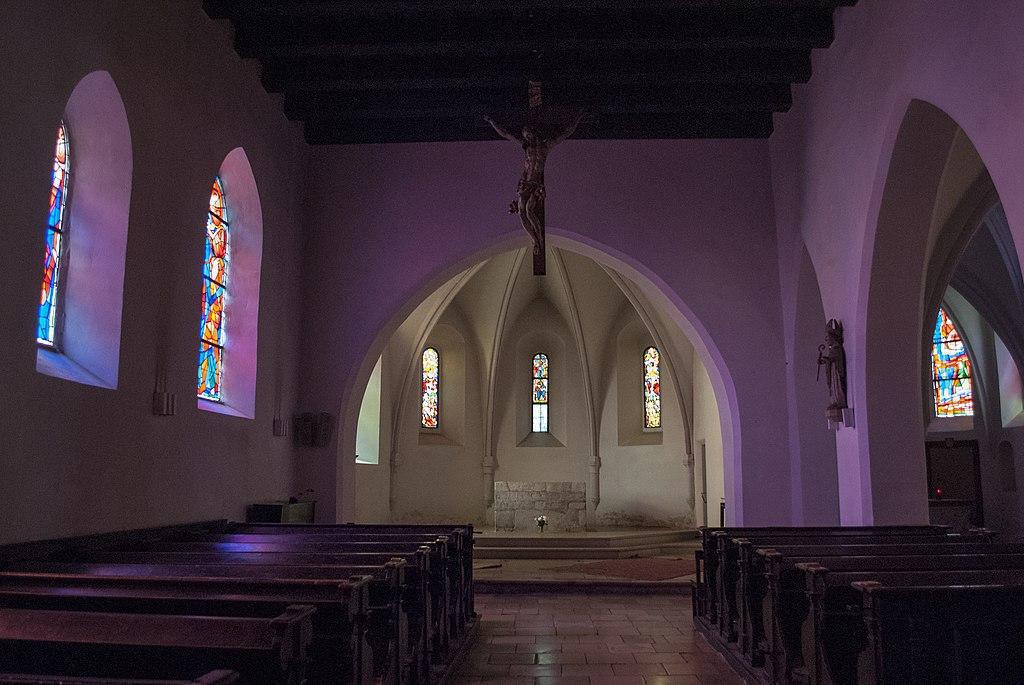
(593, 490)
(488, 466)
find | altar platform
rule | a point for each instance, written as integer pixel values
(617, 543)
(633, 561)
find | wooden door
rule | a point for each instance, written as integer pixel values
(954, 483)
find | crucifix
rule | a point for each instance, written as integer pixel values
(544, 129)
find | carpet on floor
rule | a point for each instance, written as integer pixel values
(647, 568)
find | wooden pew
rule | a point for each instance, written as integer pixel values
(398, 610)
(220, 677)
(797, 590)
(426, 641)
(752, 584)
(331, 543)
(442, 589)
(941, 634)
(76, 643)
(709, 568)
(336, 651)
(462, 532)
(459, 561)
(725, 589)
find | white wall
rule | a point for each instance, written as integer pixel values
(83, 459)
(708, 436)
(645, 477)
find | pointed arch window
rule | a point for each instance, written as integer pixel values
(56, 238)
(430, 389)
(540, 392)
(952, 390)
(216, 263)
(652, 388)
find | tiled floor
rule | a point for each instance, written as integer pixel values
(590, 640)
(545, 569)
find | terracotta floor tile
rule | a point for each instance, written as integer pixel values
(562, 658)
(587, 669)
(659, 658)
(513, 659)
(534, 670)
(638, 669)
(564, 680)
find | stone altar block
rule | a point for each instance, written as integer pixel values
(517, 505)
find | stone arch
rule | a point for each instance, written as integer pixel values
(242, 319)
(97, 222)
(908, 264)
(648, 284)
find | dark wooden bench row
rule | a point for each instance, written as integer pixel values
(417, 594)
(821, 606)
(218, 677)
(155, 646)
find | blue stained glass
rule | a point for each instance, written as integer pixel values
(46, 330)
(216, 260)
(951, 370)
(539, 393)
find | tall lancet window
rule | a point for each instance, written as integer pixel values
(430, 389)
(215, 297)
(54, 255)
(540, 393)
(951, 371)
(652, 388)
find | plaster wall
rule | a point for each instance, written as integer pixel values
(830, 161)
(84, 459)
(689, 221)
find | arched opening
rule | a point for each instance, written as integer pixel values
(593, 325)
(236, 392)
(86, 343)
(941, 241)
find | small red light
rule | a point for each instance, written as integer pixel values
(938, 492)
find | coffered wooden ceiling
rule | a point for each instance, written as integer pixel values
(428, 70)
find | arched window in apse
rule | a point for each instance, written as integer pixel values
(953, 394)
(430, 389)
(540, 392)
(216, 263)
(56, 243)
(652, 388)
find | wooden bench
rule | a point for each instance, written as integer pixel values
(941, 634)
(442, 553)
(752, 584)
(76, 643)
(435, 568)
(220, 677)
(722, 588)
(460, 563)
(708, 566)
(398, 609)
(338, 646)
(797, 592)
(462, 532)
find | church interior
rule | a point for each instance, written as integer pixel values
(676, 341)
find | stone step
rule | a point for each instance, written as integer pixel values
(610, 540)
(565, 552)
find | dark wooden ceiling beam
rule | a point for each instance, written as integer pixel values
(225, 9)
(256, 34)
(633, 101)
(330, 131)
(693, 66)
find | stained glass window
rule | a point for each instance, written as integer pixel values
(215, 291)
(430, 389)
(652, 388)
(540, 393)
(951, 370)
(53, 260)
